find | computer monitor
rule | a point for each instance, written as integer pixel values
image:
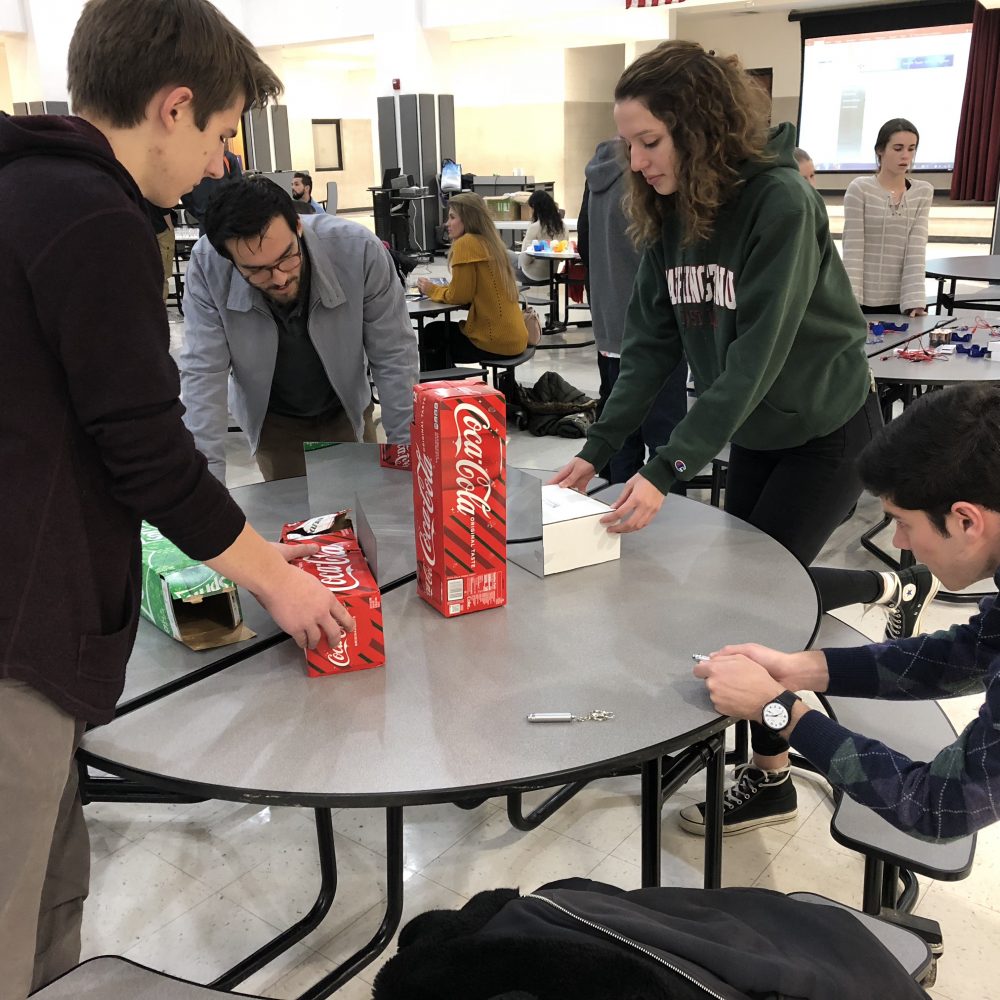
(390, 174)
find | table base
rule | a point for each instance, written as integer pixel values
(324, 900)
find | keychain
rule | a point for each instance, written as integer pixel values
(598, 715)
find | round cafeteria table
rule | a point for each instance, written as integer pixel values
(950, 370)
(555, 324)
(916, 327)
(975, 267)
(444, 721)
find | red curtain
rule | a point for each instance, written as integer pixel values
(977, 149)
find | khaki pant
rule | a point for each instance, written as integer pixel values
(44, 848)
(279, 453)
(167, 243)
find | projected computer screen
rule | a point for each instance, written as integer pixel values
(851, 84)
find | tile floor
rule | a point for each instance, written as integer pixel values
(191, 889)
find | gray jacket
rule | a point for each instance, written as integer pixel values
(614, 259)
(357, 318)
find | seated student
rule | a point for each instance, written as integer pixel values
(483, 280)
(290, 313)
(806, 166)
(546, 224)
(936, 469)
(302, 193)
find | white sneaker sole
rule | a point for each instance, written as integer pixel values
(918, 626)
(698, 829)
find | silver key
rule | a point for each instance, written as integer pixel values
(598, 715)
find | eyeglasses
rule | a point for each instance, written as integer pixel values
(262, 275)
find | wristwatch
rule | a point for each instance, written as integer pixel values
(777, 714)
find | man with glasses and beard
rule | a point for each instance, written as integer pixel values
(290, 313)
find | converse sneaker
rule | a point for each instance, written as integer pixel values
(915, 589)
(758, 798)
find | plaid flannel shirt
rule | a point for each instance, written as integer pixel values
(958, 791)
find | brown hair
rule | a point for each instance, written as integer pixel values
(124, 51)
(717, 116)
(477, 221)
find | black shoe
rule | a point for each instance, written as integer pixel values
(759, 798)
(915, 589)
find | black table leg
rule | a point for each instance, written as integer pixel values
(714, 780)
(393, 911)
(555, 802)
(298, 930)
(650, 823)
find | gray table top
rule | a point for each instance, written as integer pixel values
(428, 307)
(976, 267)
(158, 659)
(109, 978)
(957, 368)
(336, 477)
(917, 326)
(447, 713)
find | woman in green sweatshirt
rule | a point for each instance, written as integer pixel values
(740, 274)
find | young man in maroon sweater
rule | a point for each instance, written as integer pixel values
(91, 436)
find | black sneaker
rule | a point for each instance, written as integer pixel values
(915, 589)
(759, 798)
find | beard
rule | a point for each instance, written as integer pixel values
(298, 195)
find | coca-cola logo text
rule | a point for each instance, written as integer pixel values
(425, 488)
(339, 655)
(475, 486)
(333, 565)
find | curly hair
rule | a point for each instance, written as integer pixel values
(717, 117)
(545, 211)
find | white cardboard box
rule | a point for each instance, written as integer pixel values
(572, 535)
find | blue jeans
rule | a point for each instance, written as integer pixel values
(667, 411)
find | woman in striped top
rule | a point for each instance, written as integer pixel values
(885, 227)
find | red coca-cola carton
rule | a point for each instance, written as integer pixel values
(394, 456)
(458, 444)
(341, 567)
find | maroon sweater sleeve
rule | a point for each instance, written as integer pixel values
(107, 326)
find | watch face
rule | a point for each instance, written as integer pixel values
(775, 715)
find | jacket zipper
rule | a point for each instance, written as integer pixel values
(614, 935)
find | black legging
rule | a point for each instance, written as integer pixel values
(443, 344)
(799, 496)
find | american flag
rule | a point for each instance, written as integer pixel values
(648, 3)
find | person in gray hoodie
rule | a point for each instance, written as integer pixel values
(612, 261)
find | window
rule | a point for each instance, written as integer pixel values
(327, 147)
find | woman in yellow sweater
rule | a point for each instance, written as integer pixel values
(482, 279)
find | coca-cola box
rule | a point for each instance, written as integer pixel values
(394, 456)
(458, 445)
(341, 567)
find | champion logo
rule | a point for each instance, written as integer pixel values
(680, 466)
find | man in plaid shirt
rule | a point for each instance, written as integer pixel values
(936, 469)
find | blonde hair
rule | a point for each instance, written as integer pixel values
(477, 221)
(717, 116)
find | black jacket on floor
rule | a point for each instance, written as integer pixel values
(648, 944)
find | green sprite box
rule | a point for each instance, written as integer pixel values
(185, 598)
